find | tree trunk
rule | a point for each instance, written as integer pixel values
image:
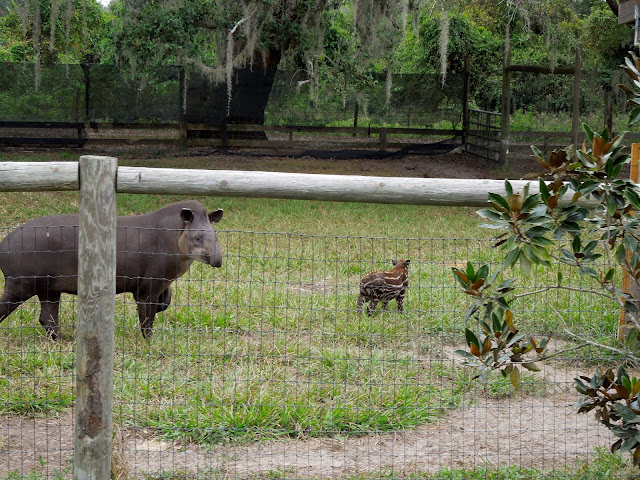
(209, 103)
(608, 109)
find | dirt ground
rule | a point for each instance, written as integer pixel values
(447, 165)
(539, 429)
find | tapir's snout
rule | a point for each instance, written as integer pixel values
(215, 260)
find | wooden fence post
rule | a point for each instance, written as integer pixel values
(355, 117)
(575, 115)
(383, 139)
(506, 100)
(627, 285)
(182, 123)
(465, 102)
(95, 320)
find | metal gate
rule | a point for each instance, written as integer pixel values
(484, 134)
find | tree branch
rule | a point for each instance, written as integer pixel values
(560, 287)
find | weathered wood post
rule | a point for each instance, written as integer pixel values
(506, 100)
(95, 320)
(575, 115)
(355, 117)
(182, 124)
(383, 139)
(629, 286)
(465, 102)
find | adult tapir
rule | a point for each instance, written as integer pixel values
(41, 258)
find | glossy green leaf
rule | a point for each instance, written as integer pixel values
(515, 377)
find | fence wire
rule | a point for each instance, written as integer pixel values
(263, 369)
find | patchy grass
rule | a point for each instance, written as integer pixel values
(269, 345)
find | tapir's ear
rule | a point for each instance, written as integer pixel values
(394, 262)
(186, 215)
(407, 262)
(215, 216)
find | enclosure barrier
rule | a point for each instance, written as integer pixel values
(61, 176)
(99, 178)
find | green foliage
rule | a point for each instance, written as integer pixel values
(632, 67)
(499, 346)
(420, 52)
(615, 401)
(547, 228)
(68, 35)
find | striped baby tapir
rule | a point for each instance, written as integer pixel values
(384, 287)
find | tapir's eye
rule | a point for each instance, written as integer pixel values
(198, 238)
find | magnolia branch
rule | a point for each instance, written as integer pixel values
(561, 287)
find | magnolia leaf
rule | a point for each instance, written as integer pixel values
(508, 316)
(621, 390)
(626, 89)
(628, 415)
(635, 389)
(511, 257)
(515, 378)
(472, 339)
(486, 346)
(484, 375)
(628, 444)
(532, 366)
(616, 446)
(525, 265)
(634, 116)
(508, 188)
(461, 277)
(467, 355)
(482, 272)
(489, 214)
(499, 201)
(470, 311)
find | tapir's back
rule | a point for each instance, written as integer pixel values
(44, 246)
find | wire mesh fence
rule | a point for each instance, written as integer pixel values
(85, 93)
(263, 369)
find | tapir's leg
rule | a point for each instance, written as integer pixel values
(146, 313)
(359, 303)
(400, 303)
(385, 306)
(15, 294)
(164, 300)
(372, 306)
(49, 307)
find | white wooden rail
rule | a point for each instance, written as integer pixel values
(21, 176)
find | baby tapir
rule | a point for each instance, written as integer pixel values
(384, 287)
(41, 258)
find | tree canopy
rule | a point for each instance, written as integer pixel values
(383, 34)
(341, 42)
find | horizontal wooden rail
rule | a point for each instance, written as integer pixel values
(21, 176)
(484, 112)
(232, 127)
(74, 125)
(38, 176)
(541, 69)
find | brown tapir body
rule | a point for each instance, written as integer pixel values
(41, 258)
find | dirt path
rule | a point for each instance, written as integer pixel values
(541, 431)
